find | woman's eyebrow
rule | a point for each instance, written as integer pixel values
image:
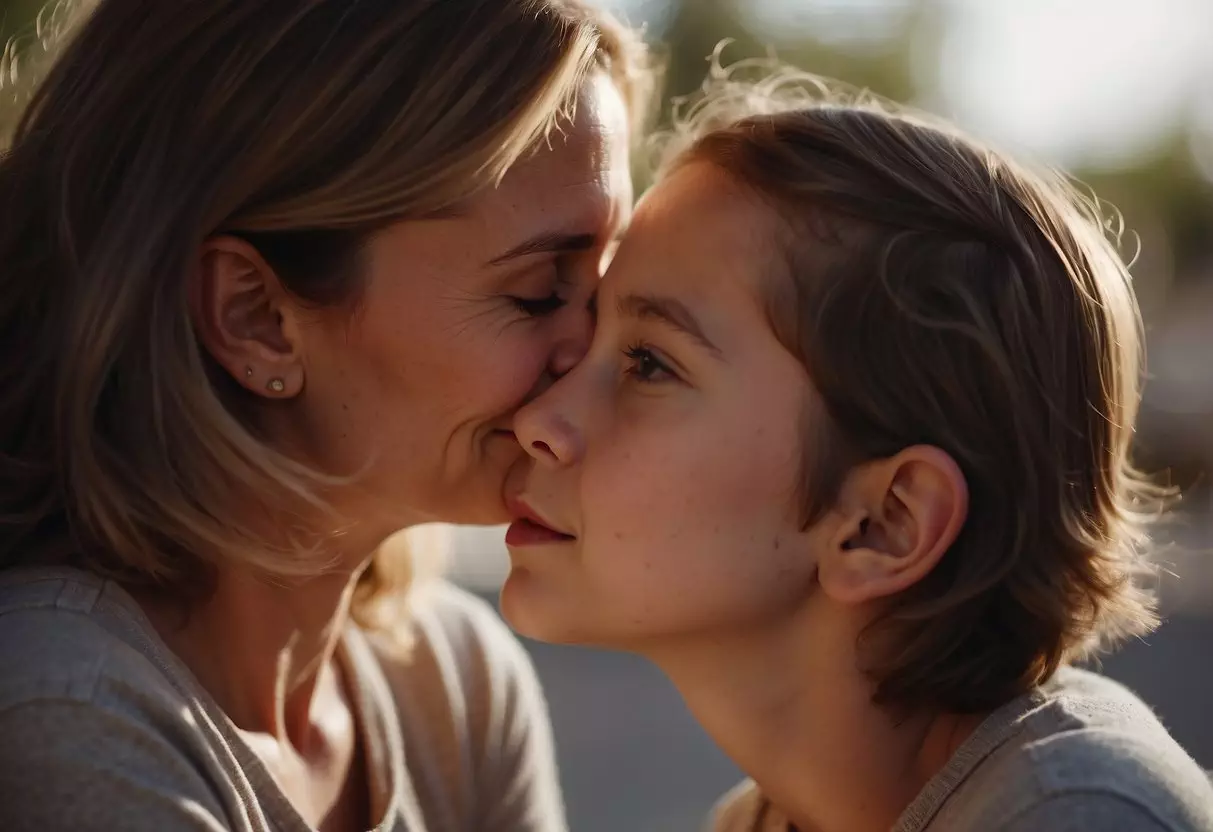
(548, 242)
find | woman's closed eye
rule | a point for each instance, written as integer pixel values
(539, 307)
(646, 367)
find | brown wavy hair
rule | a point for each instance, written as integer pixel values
(940, 293)
(148, 126)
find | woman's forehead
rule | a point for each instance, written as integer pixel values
(576, 183)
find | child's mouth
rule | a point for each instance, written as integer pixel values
(526, 532)
(529, 529)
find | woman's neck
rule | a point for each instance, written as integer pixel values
(261, 648)
(789, 706)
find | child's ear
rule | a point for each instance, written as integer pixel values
(898, 517)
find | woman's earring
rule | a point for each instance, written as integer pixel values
(248, 372)
(276, 385)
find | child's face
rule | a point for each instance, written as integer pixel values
(669, 457)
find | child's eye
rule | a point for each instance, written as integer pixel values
(539, 307)
(645, 366)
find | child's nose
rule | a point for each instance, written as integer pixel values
(547, 435)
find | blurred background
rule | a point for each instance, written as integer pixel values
(1120, 92)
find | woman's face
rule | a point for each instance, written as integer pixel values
(668, 459)
(464, 319)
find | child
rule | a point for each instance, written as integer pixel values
(848, 459)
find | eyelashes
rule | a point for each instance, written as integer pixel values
(539, 307)
(645, 366)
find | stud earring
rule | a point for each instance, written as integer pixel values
(277, 385)
(248, 372)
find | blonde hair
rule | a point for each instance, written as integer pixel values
(940, 293)
(302, 127)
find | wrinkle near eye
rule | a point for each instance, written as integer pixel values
(491, 312)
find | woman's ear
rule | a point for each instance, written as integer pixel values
(244, 319)
(899, 517)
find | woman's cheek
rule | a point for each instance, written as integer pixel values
(510, 370)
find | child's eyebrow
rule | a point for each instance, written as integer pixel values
(669, 311)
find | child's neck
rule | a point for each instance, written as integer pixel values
(799, 720)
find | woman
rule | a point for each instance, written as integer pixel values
(279, 274)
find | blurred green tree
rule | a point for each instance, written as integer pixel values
(17, 17)
(697, 26)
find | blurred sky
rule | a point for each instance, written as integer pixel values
(1092, 81)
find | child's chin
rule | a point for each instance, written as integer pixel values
(537, 612)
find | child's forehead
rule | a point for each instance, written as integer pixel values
(710, 214)
(702, 240)
(700, 218)
(704, 209)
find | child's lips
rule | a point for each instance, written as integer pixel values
(529, 527)
(524, 532)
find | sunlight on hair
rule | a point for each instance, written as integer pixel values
(756, 87)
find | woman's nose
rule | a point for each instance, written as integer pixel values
(547, 433)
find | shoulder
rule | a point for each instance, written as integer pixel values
(63, 639)
(467, 694)
(738, 809)
(1107, 767)
(94, 732)
(464, 669)
(462, 677)
(1081, 811)
(1094, 747)
(1104, 738)
(467, 624)
(745, 809)
(459, 644)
